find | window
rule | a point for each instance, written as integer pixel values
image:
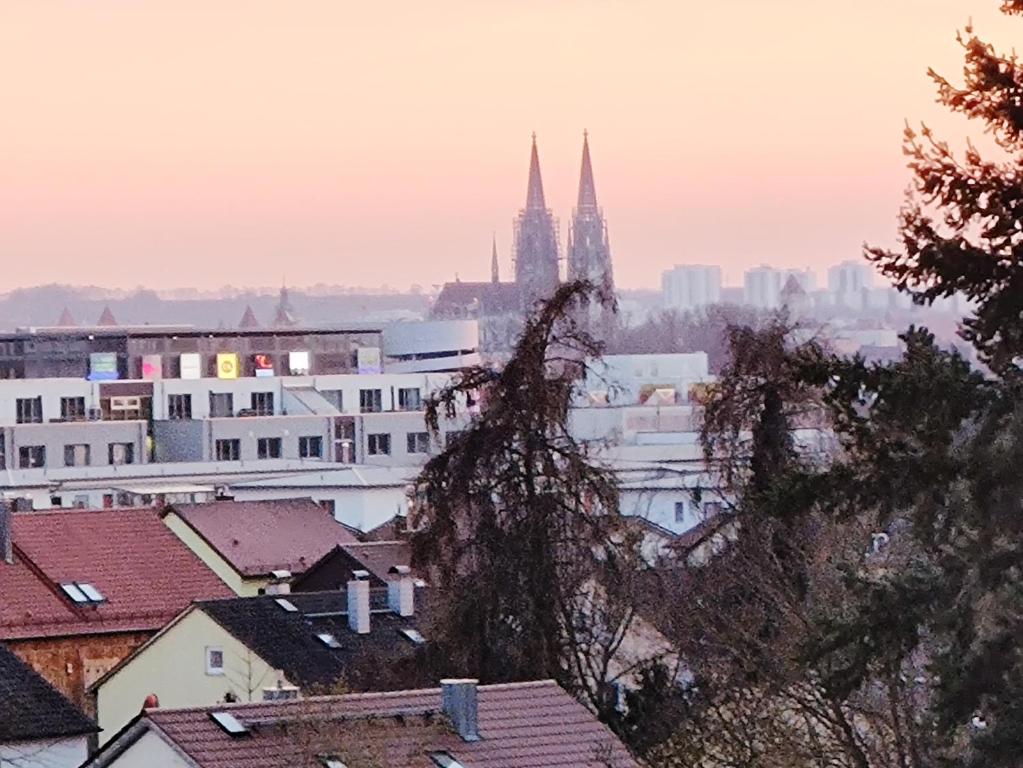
(121, 453)
(444, 760)
(409, 399)
(72, 408)
(82, 593)
(180, 406)
(680, 511)
(370, 401)
(418, 442)
(221, 404)
(29, 410)
(227, 450)
(414, 636)
(310, 447)
(334, 397)
(263, 403)
(31, 456)
(451, 437)
(214, 660)
(712, 508)
(268, 447)
(81, 501)
(379, 444)
(77, 455)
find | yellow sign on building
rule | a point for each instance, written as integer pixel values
(227, 365)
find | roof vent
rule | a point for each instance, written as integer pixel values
(229, 723)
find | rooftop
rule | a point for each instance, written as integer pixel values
(521, 725)
(141, 573)
(257, 537)
(32, 709)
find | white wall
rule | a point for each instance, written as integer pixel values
(150, 751)
(46, 753)
(690, 286)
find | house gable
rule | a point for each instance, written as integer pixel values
(173, 665)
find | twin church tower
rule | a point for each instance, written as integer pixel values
(537, 256)
(537, 260)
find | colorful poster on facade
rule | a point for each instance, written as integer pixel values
(298, 363)
(152, 367)
(103, 366)
(368, 359)
(263, 365)
(191, 365)
(227, 365)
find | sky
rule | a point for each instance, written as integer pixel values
(246, 142)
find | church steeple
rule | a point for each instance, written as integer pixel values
(587, 189)
(495, 274)
(534, 191)
(537, 270)
(589, 252)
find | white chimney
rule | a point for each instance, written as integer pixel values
(401, 591)
(6, 532)
(358, 602)
(280, 583)
(459, 702)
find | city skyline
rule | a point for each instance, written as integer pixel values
(208, 163)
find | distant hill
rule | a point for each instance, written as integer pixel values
(44, 305)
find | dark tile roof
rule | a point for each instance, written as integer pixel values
(487, 298)
(521, 725)
(257, 537)
(334, 569)
(287, 640)
(30, 708)
(145, 573)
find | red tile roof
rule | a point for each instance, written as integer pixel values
(521, 725)
(257, 537)
(146, 574)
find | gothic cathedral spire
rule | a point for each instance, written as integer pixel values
(589, 252)
(537, 271)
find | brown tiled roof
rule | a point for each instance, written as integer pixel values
(521, 725)
(144, 572)
(257, 537)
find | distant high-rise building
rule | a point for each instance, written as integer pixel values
(849, 277)
(589, 252)
(761, 287)
(537, 271)
(691, 286)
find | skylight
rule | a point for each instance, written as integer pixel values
(444, 760)
(331, 761)
(413, 635)
(328, 640)
(92, 593)
(286, 604)
(82, 593)
(229, 723)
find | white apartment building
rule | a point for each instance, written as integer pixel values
(690, 286)
(763, 285)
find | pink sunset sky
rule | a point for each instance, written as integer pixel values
(212, 142)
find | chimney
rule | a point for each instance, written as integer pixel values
(358, 602)
(280, 583)
(401, 591)
(6, 532)
(459, 697)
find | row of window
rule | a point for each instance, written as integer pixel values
(29, 410)
(75, 455)
(230, 449)
(311, 447)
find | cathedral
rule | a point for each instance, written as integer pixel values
(500, 306)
